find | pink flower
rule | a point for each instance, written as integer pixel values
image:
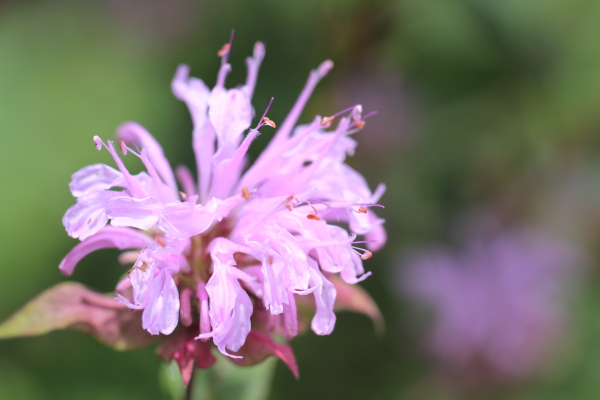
(214, 251)
(498, 311)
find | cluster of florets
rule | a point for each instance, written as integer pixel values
(237, 243)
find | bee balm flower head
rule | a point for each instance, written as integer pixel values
(224, 258)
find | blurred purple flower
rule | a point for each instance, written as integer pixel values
(216, 252)
(497, 303)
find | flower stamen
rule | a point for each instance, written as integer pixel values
(268, 122)
(224, 50)
(143, 267)
(314, 216)
(160, 241)
(246, 193)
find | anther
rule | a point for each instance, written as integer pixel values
(264, 120)
(224, 50)
(160, 241)
(246, 193)
(362, 209)
(359, 124)
(314, 216)
(98, 142)
(366, 255)
(327, 120)
(183, 195)
(142, 268)
(269, 122)
(123, 147)
(289, 204)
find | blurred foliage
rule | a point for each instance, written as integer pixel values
(498, 111)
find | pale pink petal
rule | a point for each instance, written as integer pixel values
(324, 319)
(253, 64)
(137, 213)
(376, 238)
(195, 94)
(290, 318)
(185, 178)
(88, 215)
(94, 178)
(162, 311)
(230, 113)
(230, 305)
(107, 237)
(183, 220)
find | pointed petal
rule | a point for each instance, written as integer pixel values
(324, 319)
(290, 121)
(376, 238)
(253, 64)
(195, 94)
(107, 237)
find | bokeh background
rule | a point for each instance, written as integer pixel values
(487, 136)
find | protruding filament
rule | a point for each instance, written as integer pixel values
(133, 186)
(264, 120)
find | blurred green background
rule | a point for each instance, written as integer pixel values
(483, 105)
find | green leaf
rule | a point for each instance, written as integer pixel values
(73, 306)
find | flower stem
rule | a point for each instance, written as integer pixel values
(190, 387)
